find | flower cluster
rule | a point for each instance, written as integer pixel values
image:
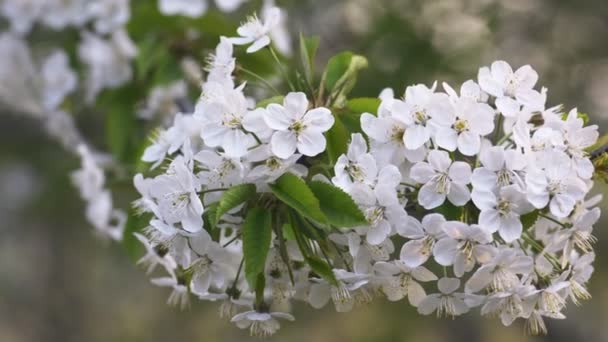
(485, 186)
(39, 82)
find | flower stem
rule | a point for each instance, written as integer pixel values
(280, 65)
(260, 78)
(552, 220)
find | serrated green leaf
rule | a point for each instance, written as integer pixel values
(529, 219)
(308, 51)
(339, 208)
(337, 140)
(322, 268)
(232, 198)
(302, 225)
(293, 191)
(257, 232)
(363, 105)
(266, 102)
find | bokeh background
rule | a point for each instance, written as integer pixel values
(61, 282)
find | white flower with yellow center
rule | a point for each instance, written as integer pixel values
(296, 127)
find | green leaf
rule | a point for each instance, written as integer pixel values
(450, 211)
(291, 190)
(121, 127)
(322, 268)
(336, 68)
(341, 75)
(150, 54)
(209, 216)
(260, 285)
(266, 102)
(529, 219)
(232, 198)
(308, 51)
(288, 233)
(364, 105)
(340, 209)
(257, 232)
(302, 225)
(352, 122)
(337, 140)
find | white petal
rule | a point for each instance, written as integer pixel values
(421, 273)
(488, 84)
(501, 71)
(389, 176)
(479, 280)
(413, 253)
(311, 143)
(415, 136)
(460, 172)
(468, 143)
(254, 122)
(422, 172)
(319, 118)
(318, 295)
(415, 293)
(489, 220)
(448, 285)
(562, 205)
(444, 251)
(484, 200)
(283, 144)
(277, 117)
(429, 304)
(484, 179)
(429, 198)
(236, 143)
(439, 160)
(433, 223)
(446, 138)
(526, 76)
(459, 194)
(412, 229)
(378, 233)
(375, 128)
(296, 104)
(507, 106)
(510, 228)
(258, 44)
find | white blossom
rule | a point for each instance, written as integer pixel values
(296, 127)
(442, 179)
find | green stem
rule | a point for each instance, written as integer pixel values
(552, 220)
(231, 240)
(212, 190)
(505, 138)
(260, 78)
(498, 127)
(280, 65)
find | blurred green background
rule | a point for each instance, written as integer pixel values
(60, 282)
